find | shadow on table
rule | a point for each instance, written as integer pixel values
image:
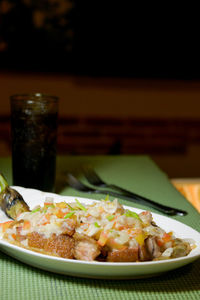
(183, 279)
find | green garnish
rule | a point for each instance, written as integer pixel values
(70, 206)
(79, 205)
(110, 218)
(107, 198)
(96, 225)
(132, 214)
(35, 210)
(69, 215)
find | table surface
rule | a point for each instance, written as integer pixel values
(136, 173)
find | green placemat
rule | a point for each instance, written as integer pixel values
(136, 173)
(139, 174)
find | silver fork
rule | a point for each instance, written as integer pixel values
(94, 179)
(78, 185)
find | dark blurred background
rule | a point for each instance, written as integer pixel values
(100, 38)
(127, 75)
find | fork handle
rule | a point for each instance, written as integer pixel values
(142, 200)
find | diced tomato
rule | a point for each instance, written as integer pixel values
(14, 236)
(60, 214)
(26, 225)
(144, 213)
(166, 237)
(5, 225)
(103, 238)
(122, 227)
(160, 242)
(48, 204)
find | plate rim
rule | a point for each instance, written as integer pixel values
(194, 254)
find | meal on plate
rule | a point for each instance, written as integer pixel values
(102, 231)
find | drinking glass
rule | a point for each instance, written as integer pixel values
(34, 136)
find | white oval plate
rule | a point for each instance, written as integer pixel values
(100, 269)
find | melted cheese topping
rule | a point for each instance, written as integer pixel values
(105, 221)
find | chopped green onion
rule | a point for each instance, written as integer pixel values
(70, 206)
(69, 215)
(96, 225)
(35, 210)
(110, 218)
(80, 205)
(132, 214)
(107, 198)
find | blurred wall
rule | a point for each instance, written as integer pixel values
(84, 96)
(156, 117)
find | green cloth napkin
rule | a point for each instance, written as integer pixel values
(136, 173)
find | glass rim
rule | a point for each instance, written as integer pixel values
(22, 96)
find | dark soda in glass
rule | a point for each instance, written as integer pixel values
(34, 136)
